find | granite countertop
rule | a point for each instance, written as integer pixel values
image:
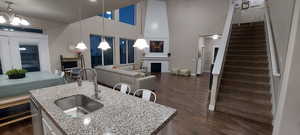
(121, 115)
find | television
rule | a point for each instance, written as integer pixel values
(156, 46)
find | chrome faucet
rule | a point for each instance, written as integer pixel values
(79, 80)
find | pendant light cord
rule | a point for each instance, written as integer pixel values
(80, 14)
(142, 16)
(103, 14)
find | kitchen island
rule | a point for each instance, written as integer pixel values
(120, 115)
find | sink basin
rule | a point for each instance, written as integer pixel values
(78, 105)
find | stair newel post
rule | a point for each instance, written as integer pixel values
(214, 92)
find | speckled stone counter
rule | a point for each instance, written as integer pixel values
(121, 115)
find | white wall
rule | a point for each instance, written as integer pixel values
(188, 19)
(287, 120)
(281, 13)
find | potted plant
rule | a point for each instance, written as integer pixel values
(16, 73)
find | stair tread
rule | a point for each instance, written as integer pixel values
(245, 89)
(246, 74)
(255, 98)
(246, 107)
(247, 61)
(256, 113)
(246, 67)
(246, 82)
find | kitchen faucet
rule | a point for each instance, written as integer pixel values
(79, 80)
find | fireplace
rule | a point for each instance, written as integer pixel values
(155, 67)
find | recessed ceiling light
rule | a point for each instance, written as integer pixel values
(215, 37)
(93, 0)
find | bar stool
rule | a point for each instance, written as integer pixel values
(123, 87)
(146, 94)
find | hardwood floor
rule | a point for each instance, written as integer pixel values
(189, 95)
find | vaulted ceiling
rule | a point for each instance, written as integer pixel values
(65, 11)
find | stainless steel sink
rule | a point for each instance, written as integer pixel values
(78, 105)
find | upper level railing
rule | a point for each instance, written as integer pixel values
(219, 62)
(271, 44)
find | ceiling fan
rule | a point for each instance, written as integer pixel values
(9, 17)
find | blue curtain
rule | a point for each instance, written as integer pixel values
(109, 54)
(96, 54)
(130, 51)
(127, 14)
(123, 50)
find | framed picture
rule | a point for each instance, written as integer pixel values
(156, 46)
(245, 4)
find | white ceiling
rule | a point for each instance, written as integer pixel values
(65, 11)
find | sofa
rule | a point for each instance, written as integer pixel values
(111, 75)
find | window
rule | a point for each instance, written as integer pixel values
(130, 51)
(1, 72)
(30, 57)
(123, 51)
(109, 54)
(127, 14)
(96, 53)
(126, 51)
(108, 14)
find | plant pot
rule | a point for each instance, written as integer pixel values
(17, 76)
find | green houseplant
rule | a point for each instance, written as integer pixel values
(16, 73)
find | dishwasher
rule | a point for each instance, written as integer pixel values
(36, 117)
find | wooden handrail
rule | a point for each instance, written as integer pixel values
(271, 43)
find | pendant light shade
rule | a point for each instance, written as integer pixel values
(2, 20)
(15, 21)
(24, 22)
(141, 44)
(81, 46)
(104, 45)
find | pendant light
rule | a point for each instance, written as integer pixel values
(81, 45)
(104, 44)
(141, 43)
(9, 17)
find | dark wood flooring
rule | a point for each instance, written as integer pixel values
(189, 95)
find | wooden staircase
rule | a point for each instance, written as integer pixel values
(245, 88)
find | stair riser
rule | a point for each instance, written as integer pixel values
(228, 89)
(247, 64)
(248, 42)
(246, 58)
(249, 30)
(235, 33)
(242, 70)
(255, 24)
(243, 85)
(246, 78)
(242, 52)
(250, 48)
